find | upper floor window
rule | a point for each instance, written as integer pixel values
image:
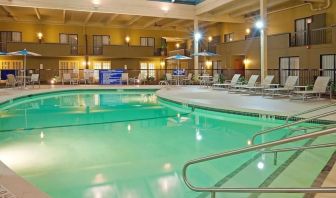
(72, 40)
(98, 42)
(228, 37)
(147, 41)
(8, 36)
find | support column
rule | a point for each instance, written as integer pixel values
(263, 40)
(195, 47)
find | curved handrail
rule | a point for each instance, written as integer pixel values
(309, 111)
(253, 148)
(290, 124)
(299, 148)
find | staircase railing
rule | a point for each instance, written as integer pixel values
(290, 124)
(276, 151)
(214, 190)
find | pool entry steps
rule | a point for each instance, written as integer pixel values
(289, 173)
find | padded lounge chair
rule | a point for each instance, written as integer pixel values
(227, 83)
(251, 83)
(266, 84)
(288, 87)
(320, 87)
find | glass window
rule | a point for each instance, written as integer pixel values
(143, 69)
(228, 37)
(72, 40)
(147, 41)
(98, 42)
(7, 36)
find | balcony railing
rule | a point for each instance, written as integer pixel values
(311, 37)
(183, 52)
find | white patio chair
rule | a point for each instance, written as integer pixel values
(227, 83)
(319, 88)
(251, 83)
(288, 87)
(188, 79)
(265, 84)
(35, 79)
(11, 81)
(124, 78)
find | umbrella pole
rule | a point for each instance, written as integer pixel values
(178, 72)
(24, 70)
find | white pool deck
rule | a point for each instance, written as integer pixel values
(194, 95)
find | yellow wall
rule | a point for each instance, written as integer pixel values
(51, 33)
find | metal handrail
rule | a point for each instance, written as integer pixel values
(213, 190)
(309, 111)
(313, 127)
(290, 124)
(276, 151)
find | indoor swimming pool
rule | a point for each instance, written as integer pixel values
(132, 144)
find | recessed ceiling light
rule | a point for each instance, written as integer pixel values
(165, 8)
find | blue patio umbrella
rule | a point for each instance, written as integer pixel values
(205, 54)
(24, 53)
(178, 57)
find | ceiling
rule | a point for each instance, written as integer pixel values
(146, 14)
(188, 2)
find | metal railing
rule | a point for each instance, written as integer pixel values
(290, 124)
(311, 37)
(309, 111)
(214, 190)
(276, 151)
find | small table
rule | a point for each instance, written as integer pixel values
(178, 78)
(204, 80)
(301, 87)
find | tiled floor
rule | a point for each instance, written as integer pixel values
(191, 95)
(221, 99)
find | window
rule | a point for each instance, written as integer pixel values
(11, 64)
(289, 66)
(72, 40)
(328, 66)
(216, 65)
(228, 37)
(102, 65)
(147, 41)
(68, 67)
(9, 37)
(147, 70)
(98, 42)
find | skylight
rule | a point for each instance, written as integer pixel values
(188, 2)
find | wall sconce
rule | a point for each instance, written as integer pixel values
(40, 36)
(246, 61)
(127, 39)
(162, 64)
(210, 38)
(208, 63)
(125, 67)
(248, 31)
(177, 45)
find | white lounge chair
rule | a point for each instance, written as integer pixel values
(288, 87)
(227, 83)
(320, 87)
(251, 83)
(265, 84)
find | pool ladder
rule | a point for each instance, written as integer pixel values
(265, 148)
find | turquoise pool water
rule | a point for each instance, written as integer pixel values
(120, 143)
